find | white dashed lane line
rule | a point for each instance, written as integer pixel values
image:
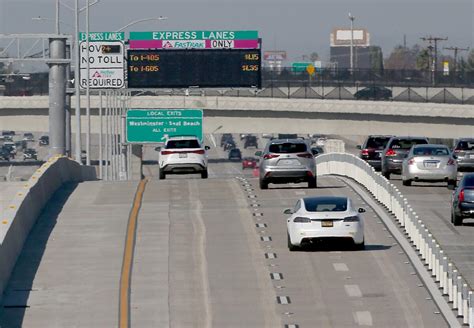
(363, 318)
(261, 225)
(340, 267)
(283, 300)
(276, 276)
(270, 256)
(353, 290)
(266, 238)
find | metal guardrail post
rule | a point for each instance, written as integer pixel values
(471, 309)
(455, 290)
(437, 255)
(465, 306)
(459, 294)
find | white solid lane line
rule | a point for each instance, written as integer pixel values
(353, 290)
(340, 267)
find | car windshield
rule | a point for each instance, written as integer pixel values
(377, 142)
(406, 143)
(287, 148)
(326, 204)
(234, 151)
(469, 180)
(465, 145)
(431, 151)
(177, 144)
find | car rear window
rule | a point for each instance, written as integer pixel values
(465, 145)
(406, 143)
(377, 142)
(330, 204)
(287, 148)
(177, 144)
(469, 181)
(431, 151)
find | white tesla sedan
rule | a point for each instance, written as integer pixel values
(326, 217)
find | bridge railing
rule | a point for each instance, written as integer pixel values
(27, 205)
(442, 270)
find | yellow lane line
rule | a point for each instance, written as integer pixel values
(125, 276)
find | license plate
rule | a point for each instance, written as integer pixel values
(288, 162)
(431, 164)
(183, 155)
(327, 223)
(471, 156)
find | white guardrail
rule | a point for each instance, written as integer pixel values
(29, 202)
(442, 270)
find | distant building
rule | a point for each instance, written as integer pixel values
(365, 55)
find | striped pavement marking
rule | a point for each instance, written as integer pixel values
(340, 267)
(276, 276)
(283, 300)
(270, 256)
(353, 290)
(363, 318)
(266, 238)
(261, 225)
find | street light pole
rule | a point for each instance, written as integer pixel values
(57, 16)
(352, 42)
(76, 83)
(88, 99)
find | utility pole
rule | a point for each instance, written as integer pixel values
(456, 50)
(434, 40)
(351, 18)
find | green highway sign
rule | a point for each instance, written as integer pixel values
(195, 35)
(300, 66)
(102, 36)
(155, 125)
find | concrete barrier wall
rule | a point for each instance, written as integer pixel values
(23, 211)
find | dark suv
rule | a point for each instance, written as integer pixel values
(226, 137)
(463, 200)
(464, 151)
(250, 141)
(374, 93)
(395, 151)
(372, 149)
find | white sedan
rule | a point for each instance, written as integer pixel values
(325, 217)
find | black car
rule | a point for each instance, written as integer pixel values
(462, 205)
(30, 154)
(4, 154)
(371, 150)
(250, 141)
(235, 155)
(8, 133)
(395, 151)
(230, 144)
(374, 93)
(317, 150)
(226, 137)
(44, 140)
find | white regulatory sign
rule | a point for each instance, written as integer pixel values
(106, 64)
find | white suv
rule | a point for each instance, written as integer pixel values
(181, 155)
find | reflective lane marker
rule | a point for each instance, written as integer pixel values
(252, 196)
(255, 205)
(363, 318)
(266, 238)
(126, 274)
(283, 300)
(257, 214)
(301, 193)
(340, 267)
(270, 256)
(292, 325)
(276, 276)
(261, 225)
(353, 290)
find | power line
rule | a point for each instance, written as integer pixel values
(434, 40)
(456, 50)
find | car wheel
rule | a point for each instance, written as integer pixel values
(162, 175)
(406, 182)
(312, 183)
(452, 184)
(263, 184)
(291, 247)
(457, 220)
(360, 246)
(204, 174)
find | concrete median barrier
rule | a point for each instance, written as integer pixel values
(28, 203)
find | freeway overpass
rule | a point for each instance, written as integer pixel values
(213, 253)
(267, 115)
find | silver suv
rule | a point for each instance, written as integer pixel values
(287, 160)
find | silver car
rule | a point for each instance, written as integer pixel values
(430, 163)
(464, 151)
(287, 160)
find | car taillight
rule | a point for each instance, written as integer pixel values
(200, 152)
(354, 218)
(270, 156)
(457, 150)
(301, 220)
(364, 152)
(451, 162)
(166, 152)
(411, 161)
(461, 196)
(390, 152)
(305, 155)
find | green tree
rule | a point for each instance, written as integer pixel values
(467, 65)
(314, 56)
(423, 60)
(376, 58)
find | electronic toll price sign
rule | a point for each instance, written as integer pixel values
(207, 68)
